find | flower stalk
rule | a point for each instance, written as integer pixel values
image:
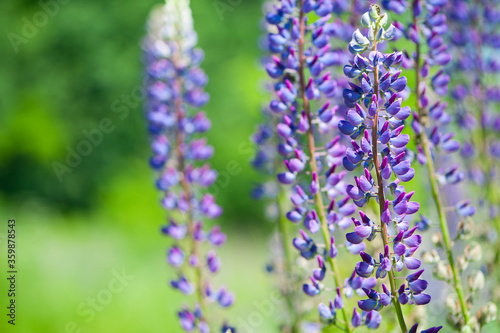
(432, 175)
(174, 85)
(318, 199)
(380, 184)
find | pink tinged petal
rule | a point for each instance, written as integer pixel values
(412, 263)
(413, 207)
(399, 249)
(296, 165)
(413, 241)
(354, 118)
(421, 299)
(400, 141)
(404, 113)
(418, 286)
(363, 231)
(408, 176)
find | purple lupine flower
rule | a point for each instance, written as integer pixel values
(305, 91)
(429, 330)
(375, 123)
(473, 45)
(174, 85)
(429, 26)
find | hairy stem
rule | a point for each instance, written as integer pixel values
(436, 195)
(492, 194)
(381, 197)
(314, 167)
(179, 113)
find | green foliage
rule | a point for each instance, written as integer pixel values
(84, 65)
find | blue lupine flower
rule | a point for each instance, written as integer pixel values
(376, 113)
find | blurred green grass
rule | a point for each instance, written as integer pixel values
(61, 265)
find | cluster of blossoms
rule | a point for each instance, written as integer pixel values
(375, 124)
(266, 137)
(475, 95)
(427, 29)
(475, 39)
(338, 145)
(174, 84)
(302, 63)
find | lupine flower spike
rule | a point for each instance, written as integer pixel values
(375, 123)
(301, 62)
(174, 85)
(474, 42)
(429, 124)
(268, 161)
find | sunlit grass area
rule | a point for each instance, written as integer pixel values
(91, 274)
(100, 277)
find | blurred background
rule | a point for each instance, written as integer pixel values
(67, 66)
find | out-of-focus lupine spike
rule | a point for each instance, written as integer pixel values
(174, 84)
(375, 123)
(474, 27)
(474, 41)
(267, 160)
(428, 29)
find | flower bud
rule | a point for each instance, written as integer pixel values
(465, 229)
(430, 257)
(471, 327)
(437, 239)
(384, 19)
(375, 11)
(473, 251)
(466, 329)
(462, 263)
(365, 20)
(442, 271)
(452, 304)
(476, 282)
(487, 313)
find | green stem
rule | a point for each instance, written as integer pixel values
(492, 194)
(381, 199)
(179, 140)
(314, 167)
(444, 227)
(282, 226)
(435, 186)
